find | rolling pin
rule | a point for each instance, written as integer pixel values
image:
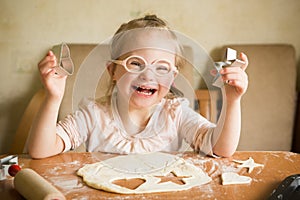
(32, 186)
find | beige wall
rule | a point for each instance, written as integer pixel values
(28, 28)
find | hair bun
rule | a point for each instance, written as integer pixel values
(153, 17)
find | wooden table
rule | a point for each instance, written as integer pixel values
(61, 172)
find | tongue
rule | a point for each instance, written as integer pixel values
(143, 90)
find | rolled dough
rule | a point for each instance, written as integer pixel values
(152, 169)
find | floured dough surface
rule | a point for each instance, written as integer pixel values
(152, 172)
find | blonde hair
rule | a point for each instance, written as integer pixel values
(148, 21)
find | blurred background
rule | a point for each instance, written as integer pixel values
(28, 29)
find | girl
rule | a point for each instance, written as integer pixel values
(142, 111)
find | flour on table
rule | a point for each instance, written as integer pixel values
(250, 164)
(229, 178)
(152, 172)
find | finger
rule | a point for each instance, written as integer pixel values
(234, 74)
(49, 57)
(52, 74)
(240, 81)
(240, 86)
(232, 77)
(50, 53)
(46, 67)
(232, 70)
(235, 83)
(244, 58)
(47, 63)
(228, 70)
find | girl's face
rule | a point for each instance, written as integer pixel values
(145, 89)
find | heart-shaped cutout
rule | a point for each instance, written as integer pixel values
(229, 178)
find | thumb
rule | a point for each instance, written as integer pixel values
(244, 58)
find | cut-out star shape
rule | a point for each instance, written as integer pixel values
(172, 177)
(250, 164)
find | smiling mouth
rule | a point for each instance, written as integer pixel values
(144, 90)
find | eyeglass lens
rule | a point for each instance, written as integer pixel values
(137, 64)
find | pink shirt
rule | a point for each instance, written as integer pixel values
(101, 128)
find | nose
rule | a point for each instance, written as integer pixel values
(147, 75)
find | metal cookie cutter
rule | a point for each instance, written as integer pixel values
(64, 61)
(230, 59)
(5, 163)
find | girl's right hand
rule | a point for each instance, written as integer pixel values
(53, 82)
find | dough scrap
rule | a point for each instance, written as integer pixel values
(229, 178)
(250, 164)
(150, 167)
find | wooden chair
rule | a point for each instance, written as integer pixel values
(19, 143)
(208, 103)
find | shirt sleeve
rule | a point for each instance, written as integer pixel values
(74, 128)
(196, 129)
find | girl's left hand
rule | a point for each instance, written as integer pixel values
(236, 80)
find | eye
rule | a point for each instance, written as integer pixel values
(162, 67)
(135, 64)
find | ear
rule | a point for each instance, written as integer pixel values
(175, 74)
(110, 68)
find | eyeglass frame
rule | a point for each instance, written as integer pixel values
(124, 61)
